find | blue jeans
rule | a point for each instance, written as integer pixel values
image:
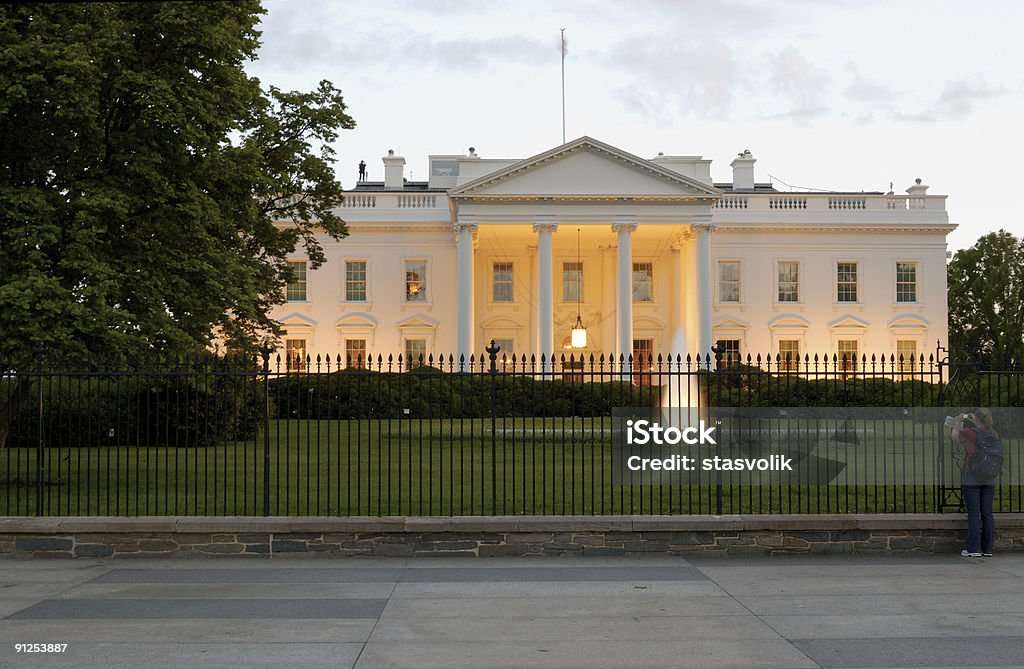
(981, 524)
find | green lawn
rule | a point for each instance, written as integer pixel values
(434, 467)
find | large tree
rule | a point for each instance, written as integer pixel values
(986, 300)
(141, 173)
(142, 177)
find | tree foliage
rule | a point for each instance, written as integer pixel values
(986, 300)
(141, 175)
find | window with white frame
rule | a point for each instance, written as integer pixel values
(415, 281)
(503, 285)
(906, 282)
(643, 282)
(846, 282)
(643, 361)
(906, 353)
(728, 281)
(847, 351)
(355, 281)
(789, 355)
(355, 353)
(295, 354)
(789, 281)
(415, 353)
(572, 282)
(296, 286)
(505, 351)
(730, 351)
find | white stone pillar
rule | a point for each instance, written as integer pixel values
(465, 229)
(705, 277)
(680, 345)
(545, 292)
(624, 288)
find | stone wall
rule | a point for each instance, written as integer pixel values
(495, 536)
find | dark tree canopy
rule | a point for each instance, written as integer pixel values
(141, 172)
(986, 300)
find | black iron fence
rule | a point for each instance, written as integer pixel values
(491, 435)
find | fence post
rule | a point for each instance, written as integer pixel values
(265, 352)
(492, 352)
(717, 349)
(40, 467)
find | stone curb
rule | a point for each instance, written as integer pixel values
(577, 524)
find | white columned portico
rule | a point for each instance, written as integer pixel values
(545, 291)
(705, 277)
(624, 287)
(465, 229)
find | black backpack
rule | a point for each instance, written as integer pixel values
(987, 460)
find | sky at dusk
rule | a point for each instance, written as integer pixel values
(827, 94)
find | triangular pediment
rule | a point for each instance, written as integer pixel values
(848, 322)
(583, 169)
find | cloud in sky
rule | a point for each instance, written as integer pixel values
(800, 85)
(958, 97)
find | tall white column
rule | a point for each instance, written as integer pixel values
(464, 230)
(704, 285)
(679, 345)
(624, 288)
(545, 291)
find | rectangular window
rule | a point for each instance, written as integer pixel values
(643, 282)
(906, 282)
(295, 354)
(846, 282)
(906, 354)
(415, 281)
(355, 353)
(296, 291)
(415, 353)
(729, 281)
(503, 282)
(355, 280)
(572, 282)
(789, 281)
(643, 361)
(847, 350)
(730, 351)
(504, 349)
(789, 355)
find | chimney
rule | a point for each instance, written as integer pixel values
(394, 169)
(743, 171)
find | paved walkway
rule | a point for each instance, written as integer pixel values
(601, 612)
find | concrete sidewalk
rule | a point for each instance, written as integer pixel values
(913, 611)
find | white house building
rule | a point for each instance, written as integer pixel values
(649, 254)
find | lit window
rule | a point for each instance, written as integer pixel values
(643, 282)
(296, 291)
(504, 349)
(415, 281)
(295, 354)
(643, 362)
(906, 353)
(847, 351)
(846, 282)
(729, 281)
(355, 280)
(572, 282)
(415, 353)
(789, 281)
(355, 353)
(503, 282)
(789, 355)
(906, 282)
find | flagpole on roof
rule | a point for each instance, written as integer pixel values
(565, 50)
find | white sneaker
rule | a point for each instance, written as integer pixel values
(986, 555)
(964, 553)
